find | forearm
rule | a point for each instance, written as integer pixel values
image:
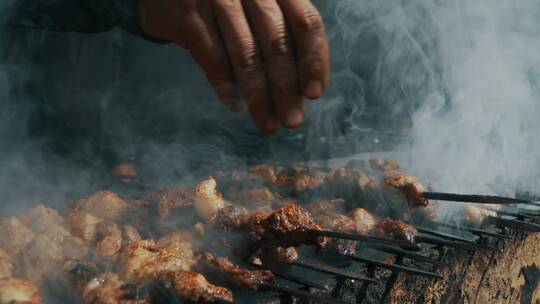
(85, 16)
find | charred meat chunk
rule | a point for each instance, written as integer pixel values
(173, 200)
(130, 234)
(194, 287)
(327, 207)
(255, 199)
(145, 260)
(231, 217)
(108, 288)
(299, 179)
(364, 220)
(291, 226)
(340, 223)
(109, 239)
(83, 225)
(409, 185)
(475, 216)
(346, 183)
(104, 204)
(266, 172)
(234, 274)
(396, 229)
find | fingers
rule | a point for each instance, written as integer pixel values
(208, 50)
(270, 30)
(246, 61)
(311, 44)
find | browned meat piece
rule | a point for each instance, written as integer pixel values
(292, 226)
(396, 229)
(327, 207)
(43, 256)
(254, 228)
(383, 165)
(109, 239)
(14, 236)
(194, 287)
(301, 180)
(429, 212)
(475, 216)
(364, 220)
(6, 264)
(145, 260)
(72, 247)
(179, 236)
(278, 257)
(83, 225)
(383, 200)
(80, 272)
(174, 200)
(340, 223)
(18, 291)
(346, 183)
(282, 255)
(130, 234)
(104, 204)
(257, 199)
(234, 274)
(170, 259)
(266, 172)
(231, 217)
(110, 289)
(409, 185)
(208, 200)
(40, 217)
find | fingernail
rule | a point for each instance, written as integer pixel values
(313, 90)
(294, 118)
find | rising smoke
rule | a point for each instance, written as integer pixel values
(463, 74)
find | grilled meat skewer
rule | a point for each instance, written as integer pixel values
(285, 227)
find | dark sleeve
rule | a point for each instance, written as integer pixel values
(85, 16)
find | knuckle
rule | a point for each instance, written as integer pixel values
(310, 21)
(248, 60)
(280, 44)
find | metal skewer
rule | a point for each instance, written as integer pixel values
(472, 230)
(454, 244)
(302, 294)
(293, 278)
(395, 267)
(515, 214)
(407, 254)
(366, 239)
(473, 198)
(444, 235)
(331, 270)
(521, 225)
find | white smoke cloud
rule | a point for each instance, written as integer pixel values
(489, 60)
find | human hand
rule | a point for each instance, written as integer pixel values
(266, 54)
